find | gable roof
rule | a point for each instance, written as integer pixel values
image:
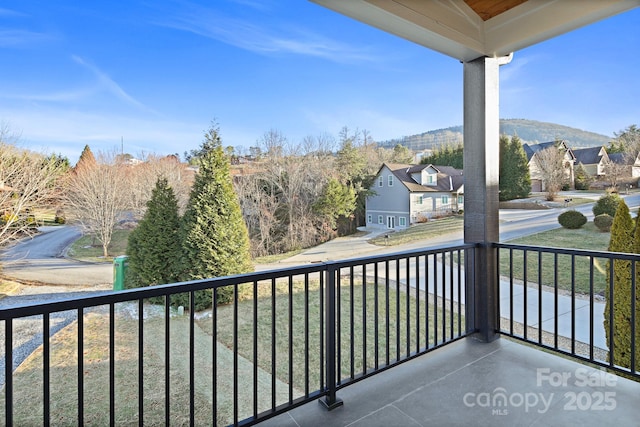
(449, 179)
(532, 149)
(621, 159)
(588, 156)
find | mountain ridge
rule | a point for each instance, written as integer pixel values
(529, 131)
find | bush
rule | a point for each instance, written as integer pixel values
(572, 219)
(603, 222)
(606, 204)
(60, 220)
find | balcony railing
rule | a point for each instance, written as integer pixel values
(295, 335)
(557, 299)
(288, 337)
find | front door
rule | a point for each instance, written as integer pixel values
(391, 222)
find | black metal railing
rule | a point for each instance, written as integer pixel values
(287, 337)
(576, 302)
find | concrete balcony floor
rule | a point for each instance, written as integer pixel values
(470, 383)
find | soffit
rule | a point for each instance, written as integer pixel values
(469, 29)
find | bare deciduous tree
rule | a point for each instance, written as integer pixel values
(97, 197)
(551, 168)
(142, 177)
(619, 169)
(28, 181)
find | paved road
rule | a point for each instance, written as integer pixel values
(41, 259)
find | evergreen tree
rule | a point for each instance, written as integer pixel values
(622, 240)
(215, 238)
(582, 178)
(446, 155)
(335, 201)
(402, 154)
(154, 247)
(515, 182)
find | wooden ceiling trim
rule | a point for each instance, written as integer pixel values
(487, 9)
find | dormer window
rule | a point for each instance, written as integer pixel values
(432, 179)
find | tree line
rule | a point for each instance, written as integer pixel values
(291, 196)
(515, 182)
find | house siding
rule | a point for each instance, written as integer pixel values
(392, 202)
(412, 197)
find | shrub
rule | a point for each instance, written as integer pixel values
(618, 292)
(606, 204)
(603, 222)
(60, 220)
(572, 219)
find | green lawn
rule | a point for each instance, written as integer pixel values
(588, 237)
(28, 379)
(90, 249)
(422, 231)
(401, 312)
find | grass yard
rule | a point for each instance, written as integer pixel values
(402, 311)
(90, 249)
(588, 237)
(28, 379)
(422, 231)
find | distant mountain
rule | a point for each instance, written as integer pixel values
(529, 131)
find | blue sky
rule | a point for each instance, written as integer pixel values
(154, 74)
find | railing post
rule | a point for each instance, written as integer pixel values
(469, 290)
(330, 401)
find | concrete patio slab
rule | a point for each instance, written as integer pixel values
(503, 383)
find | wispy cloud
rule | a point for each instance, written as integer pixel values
(10, 12)
(215, 25)
(19, 38)
(61, 96)
(67, 130)
(517, 67)
(107, 83)
(255, 4)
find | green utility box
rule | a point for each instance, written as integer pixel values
(120, 264)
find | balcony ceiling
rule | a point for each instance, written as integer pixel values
(469, 29)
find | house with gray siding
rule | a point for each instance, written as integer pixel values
(407, 194)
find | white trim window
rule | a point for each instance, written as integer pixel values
(369, 219)
(445, 200)
(380, 181)
(390, 179)
(380, 219)
(402, 221)
(420, 200)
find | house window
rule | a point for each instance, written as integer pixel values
(369, 219)
(430, 180)
(460, 200)
(402, 221)
(419, 201)
(380, 181)
(380, 219)
(390, 181)
(445, 200)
